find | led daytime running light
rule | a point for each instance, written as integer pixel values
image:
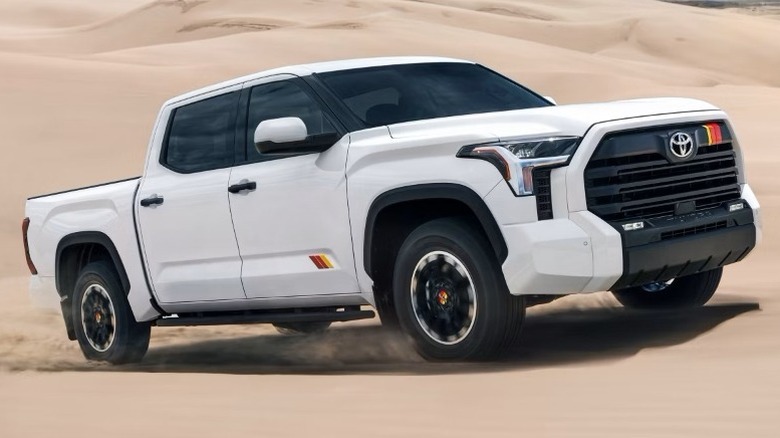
(517, 159)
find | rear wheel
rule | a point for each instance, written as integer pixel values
(450, 296)
(684, 292)
(106, 329)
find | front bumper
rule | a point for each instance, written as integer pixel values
(684, 245)
(583, 253)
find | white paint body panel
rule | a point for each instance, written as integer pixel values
(106, 209)
(202, 242)
(299, 209)
(189, 242)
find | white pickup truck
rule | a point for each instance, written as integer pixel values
(443, 194)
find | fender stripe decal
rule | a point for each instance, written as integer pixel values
(326, 260)
(321, 261)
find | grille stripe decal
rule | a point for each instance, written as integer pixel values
(714, 135)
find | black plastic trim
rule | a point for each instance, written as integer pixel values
(242, 122)
(542, 178)
(265, 317)
(655, 228)
(94, 237)
(680, 246)
(435, 191)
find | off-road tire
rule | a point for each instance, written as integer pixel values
(129, 339)
(431, 256)
(684, 292)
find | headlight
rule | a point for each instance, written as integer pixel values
(516, 160)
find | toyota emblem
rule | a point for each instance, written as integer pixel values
(681, 145)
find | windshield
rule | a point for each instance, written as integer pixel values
(403, 93)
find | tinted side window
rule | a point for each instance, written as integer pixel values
(202, 134)
(284, 99)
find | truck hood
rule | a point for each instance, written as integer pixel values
(562, 119)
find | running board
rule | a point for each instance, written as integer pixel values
(266, 317)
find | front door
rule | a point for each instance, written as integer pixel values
(292, 224)
(184, 212)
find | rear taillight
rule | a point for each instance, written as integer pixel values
(25, 226)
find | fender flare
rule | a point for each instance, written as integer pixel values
(420, 192)
(93, 237)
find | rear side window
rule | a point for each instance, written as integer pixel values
(201, 135)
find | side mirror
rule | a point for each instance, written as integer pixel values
(288, 135)
(279, 135)
(551, 100)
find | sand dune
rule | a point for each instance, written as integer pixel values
(81, 83)
(577, 330)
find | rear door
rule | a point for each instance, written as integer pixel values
(184, 212)
(293, 228)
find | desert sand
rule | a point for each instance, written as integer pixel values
(80, 84)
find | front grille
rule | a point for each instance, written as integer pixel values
(694, 230)
(543, 193)
(647, 185)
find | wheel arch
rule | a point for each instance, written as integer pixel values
(81, 248)
(74, 251)
(454, 197)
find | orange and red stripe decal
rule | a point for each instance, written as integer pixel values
(321, 261)
(714, 134)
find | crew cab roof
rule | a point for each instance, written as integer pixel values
(318, 67)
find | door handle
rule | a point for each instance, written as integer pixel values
(243, 186)
(152, 200)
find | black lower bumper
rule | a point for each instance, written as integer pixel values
(683, 245)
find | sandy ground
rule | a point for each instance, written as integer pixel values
(80, 84)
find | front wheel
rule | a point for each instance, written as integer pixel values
(106, 329)
(684, 292)
(450, 294)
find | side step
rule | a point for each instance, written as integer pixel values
(332, 314)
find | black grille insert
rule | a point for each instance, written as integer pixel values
(647, 185)
(694, 230)
(543, 193)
